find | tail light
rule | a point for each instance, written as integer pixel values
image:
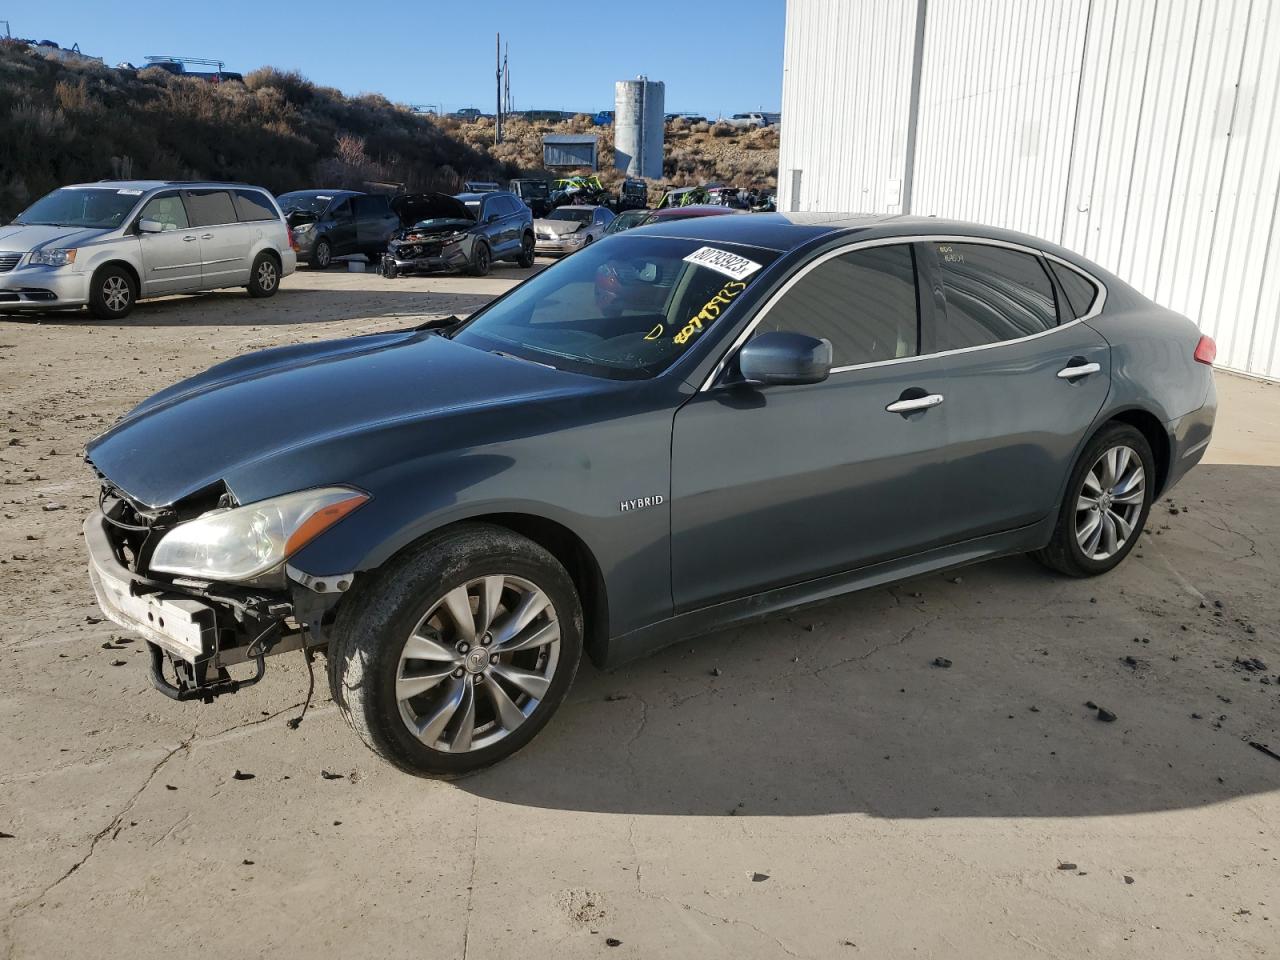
(1206, 350)
(293, 244)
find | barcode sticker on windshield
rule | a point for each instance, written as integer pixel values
(129, 193)
(722, 261)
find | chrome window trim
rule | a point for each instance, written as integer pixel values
(1098, 303)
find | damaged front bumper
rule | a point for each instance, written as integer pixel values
(200, 629)
(423, 257)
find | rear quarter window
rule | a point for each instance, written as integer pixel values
(253, 205)
(1081, 292)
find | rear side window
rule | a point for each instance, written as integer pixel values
(993, 294)
(1080, 290)
(254, 205)
(371, 205)
(208, 208)
(864, 302)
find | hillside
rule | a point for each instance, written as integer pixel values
(64, 123)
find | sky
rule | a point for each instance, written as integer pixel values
(715, 58)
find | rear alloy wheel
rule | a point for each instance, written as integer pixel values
(1108, 499)
(322, 255)
(264, 277)
(527, 252)
(453, 656)
(113, 294)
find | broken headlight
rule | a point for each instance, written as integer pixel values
(245, 542)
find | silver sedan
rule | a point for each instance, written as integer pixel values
(568, 229)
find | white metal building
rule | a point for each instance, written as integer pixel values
(1144, 134)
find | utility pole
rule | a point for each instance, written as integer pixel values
(506, 80)
(498, 58)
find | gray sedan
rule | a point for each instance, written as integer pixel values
(568, 229)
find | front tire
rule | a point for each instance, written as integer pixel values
(455, 654)
(264, 276)
(321, 255)
(113, 293)
(481, 260)
(1108, 499)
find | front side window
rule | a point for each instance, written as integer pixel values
(168, 210)
(864, 302)
(209, 208)
(626, 309)
(92, 207)
(993, 294)
(341, 210)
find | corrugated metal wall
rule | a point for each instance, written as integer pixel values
(1142, 133)
(850, 149)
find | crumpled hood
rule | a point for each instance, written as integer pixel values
(14, 237)
(559, 227)
(435, 228)
(251, 421)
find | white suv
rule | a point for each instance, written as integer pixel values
(107, 245)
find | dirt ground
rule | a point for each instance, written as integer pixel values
(806, 787)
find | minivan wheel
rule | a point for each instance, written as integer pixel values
(481, 260)
(113, 293)
(1107, 503)
(455, 654)
(321, 255)
(264, 277)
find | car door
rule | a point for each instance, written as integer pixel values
(1022, 385)
(171, 258)
(600, 221)
(225, 243)
(373, 222)
(783, 484)
(341, 228)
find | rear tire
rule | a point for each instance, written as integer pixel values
(264, 276)
(112, 293)
(1119, 504)
(395, 666)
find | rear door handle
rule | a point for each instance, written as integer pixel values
(915, 403)
(206, 236)
(1080, 370)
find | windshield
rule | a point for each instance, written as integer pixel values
(625, 221)
(82, 207)
(536, 189)
(305, 202)
(564, 213)
(625, 308)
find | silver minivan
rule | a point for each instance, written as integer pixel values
(107, 245)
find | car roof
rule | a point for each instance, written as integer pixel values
(467, 197)
(158, 184)
(784, 232)
(579, 206)
(321, 192)
(692, 210)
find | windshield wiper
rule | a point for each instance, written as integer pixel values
(512, 356)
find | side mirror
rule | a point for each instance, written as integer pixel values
(777, 358)
(150, 226)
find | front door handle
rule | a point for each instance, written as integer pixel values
(915, 403)
(206, 236)
(1080, 370)
(188, 239)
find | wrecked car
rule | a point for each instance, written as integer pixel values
(677, 429)
(467, 232)
(338, 223)
(567, 229)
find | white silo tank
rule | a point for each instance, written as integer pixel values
(639, 127)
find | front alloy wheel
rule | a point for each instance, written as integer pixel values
(478, 663)
(455, 654)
